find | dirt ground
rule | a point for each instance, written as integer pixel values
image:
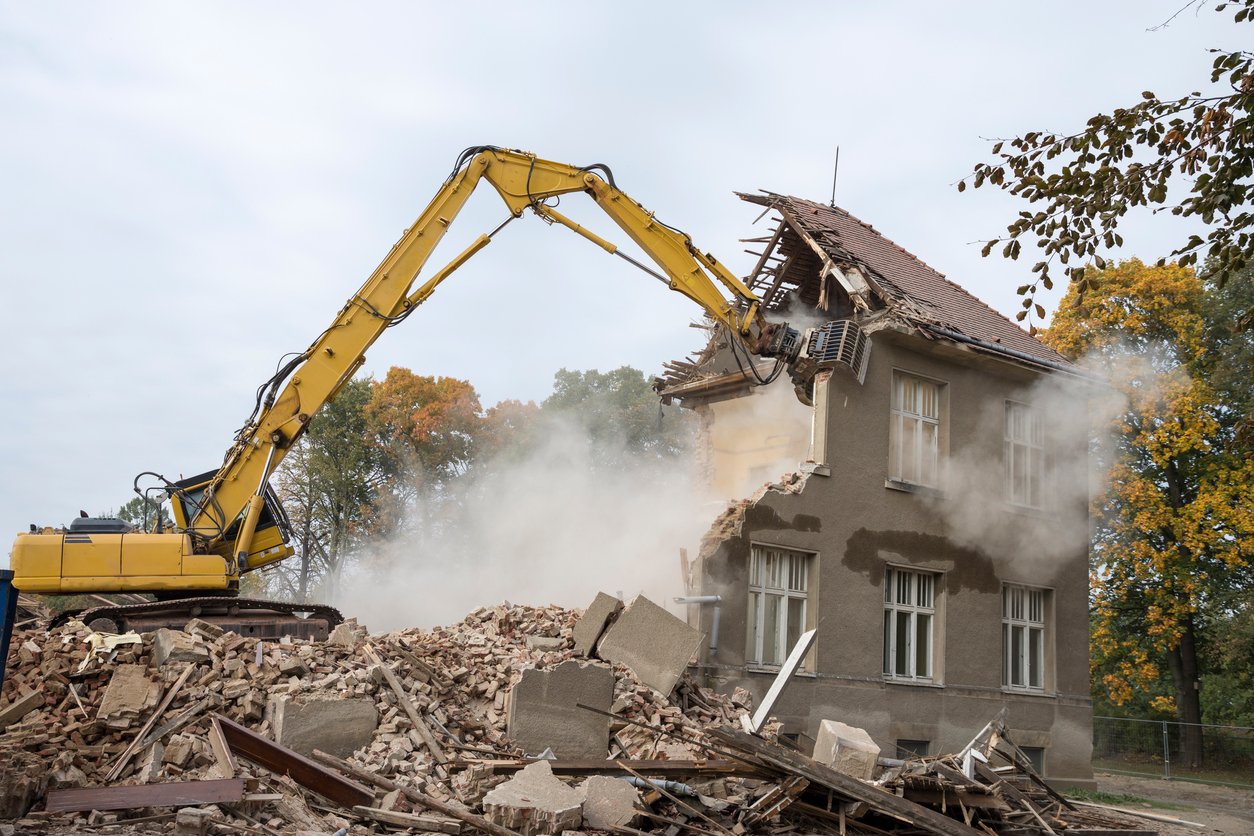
(1224, 810)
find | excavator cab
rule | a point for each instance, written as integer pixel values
(270, 541)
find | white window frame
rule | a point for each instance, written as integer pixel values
(1025, 455)
(915, 430)
(779, 585)
(1024, 616)
(910, 596)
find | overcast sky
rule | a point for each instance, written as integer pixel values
(190, 190)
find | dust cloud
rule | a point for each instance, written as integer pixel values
(568, 518)
(1076, 415)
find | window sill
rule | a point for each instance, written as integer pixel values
(1029, 511)
(916, 683)
(1028, 692)
(911, 487)
(773, 670)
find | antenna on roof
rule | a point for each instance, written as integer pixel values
(835, 169)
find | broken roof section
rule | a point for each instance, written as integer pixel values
(822, 258)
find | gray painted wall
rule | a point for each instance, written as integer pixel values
(967, 531)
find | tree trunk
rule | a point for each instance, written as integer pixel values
(1183, 661)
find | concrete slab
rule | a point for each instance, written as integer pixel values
(608, 803)
(656, 645)
(592, 623)
(129, 692)
(338, 726)
(534, 801)
(176, 646)
(543, 710)
(347, 634)
(846, 749)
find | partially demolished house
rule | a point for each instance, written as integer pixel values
(935, 535)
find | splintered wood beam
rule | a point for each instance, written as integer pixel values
(419, 798)
(283, 761)
(402, 697)
(766, 253)
(152, 720)
(177, 794)
(780, 273)
(848, 788)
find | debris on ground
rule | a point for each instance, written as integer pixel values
(494, 725)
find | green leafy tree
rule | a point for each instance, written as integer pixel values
(621, 414)
(1175, 528)
(329, 485)
(1191, 155)
(142, 512)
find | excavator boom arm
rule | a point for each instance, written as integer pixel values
(523, 181)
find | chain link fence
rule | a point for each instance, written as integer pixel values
(1167, 749)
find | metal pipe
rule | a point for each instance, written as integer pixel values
(717, 601)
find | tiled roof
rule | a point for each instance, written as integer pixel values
(903, 276)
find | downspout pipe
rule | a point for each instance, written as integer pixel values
(717, 601)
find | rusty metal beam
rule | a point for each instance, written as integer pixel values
(283, 761)
(176, 794)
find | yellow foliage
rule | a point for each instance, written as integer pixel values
(1177, 508)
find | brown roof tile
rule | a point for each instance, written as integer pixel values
(902, 275)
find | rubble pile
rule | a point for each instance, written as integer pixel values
(495, 725)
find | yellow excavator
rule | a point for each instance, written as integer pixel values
(228, 522)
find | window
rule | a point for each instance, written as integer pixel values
(915, 430)
(907, 749)
(1025, 455)
(909, 619)
(779, 592)
(1023, 637)
(1036, 754)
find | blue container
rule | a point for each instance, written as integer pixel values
(8, 615)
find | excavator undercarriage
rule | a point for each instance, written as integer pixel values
(249, 617)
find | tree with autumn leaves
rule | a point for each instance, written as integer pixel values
(1174, 528)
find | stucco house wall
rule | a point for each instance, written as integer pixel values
(855, 523)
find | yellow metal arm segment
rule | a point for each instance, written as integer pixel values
(523, 181)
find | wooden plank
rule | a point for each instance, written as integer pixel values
(430, 824)
(221, 751)
(283, 761)
(408, 705)
(794, 763)
(130, 750)
(177, 794)
(592, 766)
(20, 707)
(421, 799)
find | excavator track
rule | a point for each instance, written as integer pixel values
(246, 616)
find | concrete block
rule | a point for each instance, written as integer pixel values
(592, 623)
(656, 645)
(130, 692)
(192, 821)
(846, 749)
(20, 707)
(544, 643)
(347, 634)
(176, 646)
(543, 712)
(338, 726)
(608, 803)
(534, 801)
